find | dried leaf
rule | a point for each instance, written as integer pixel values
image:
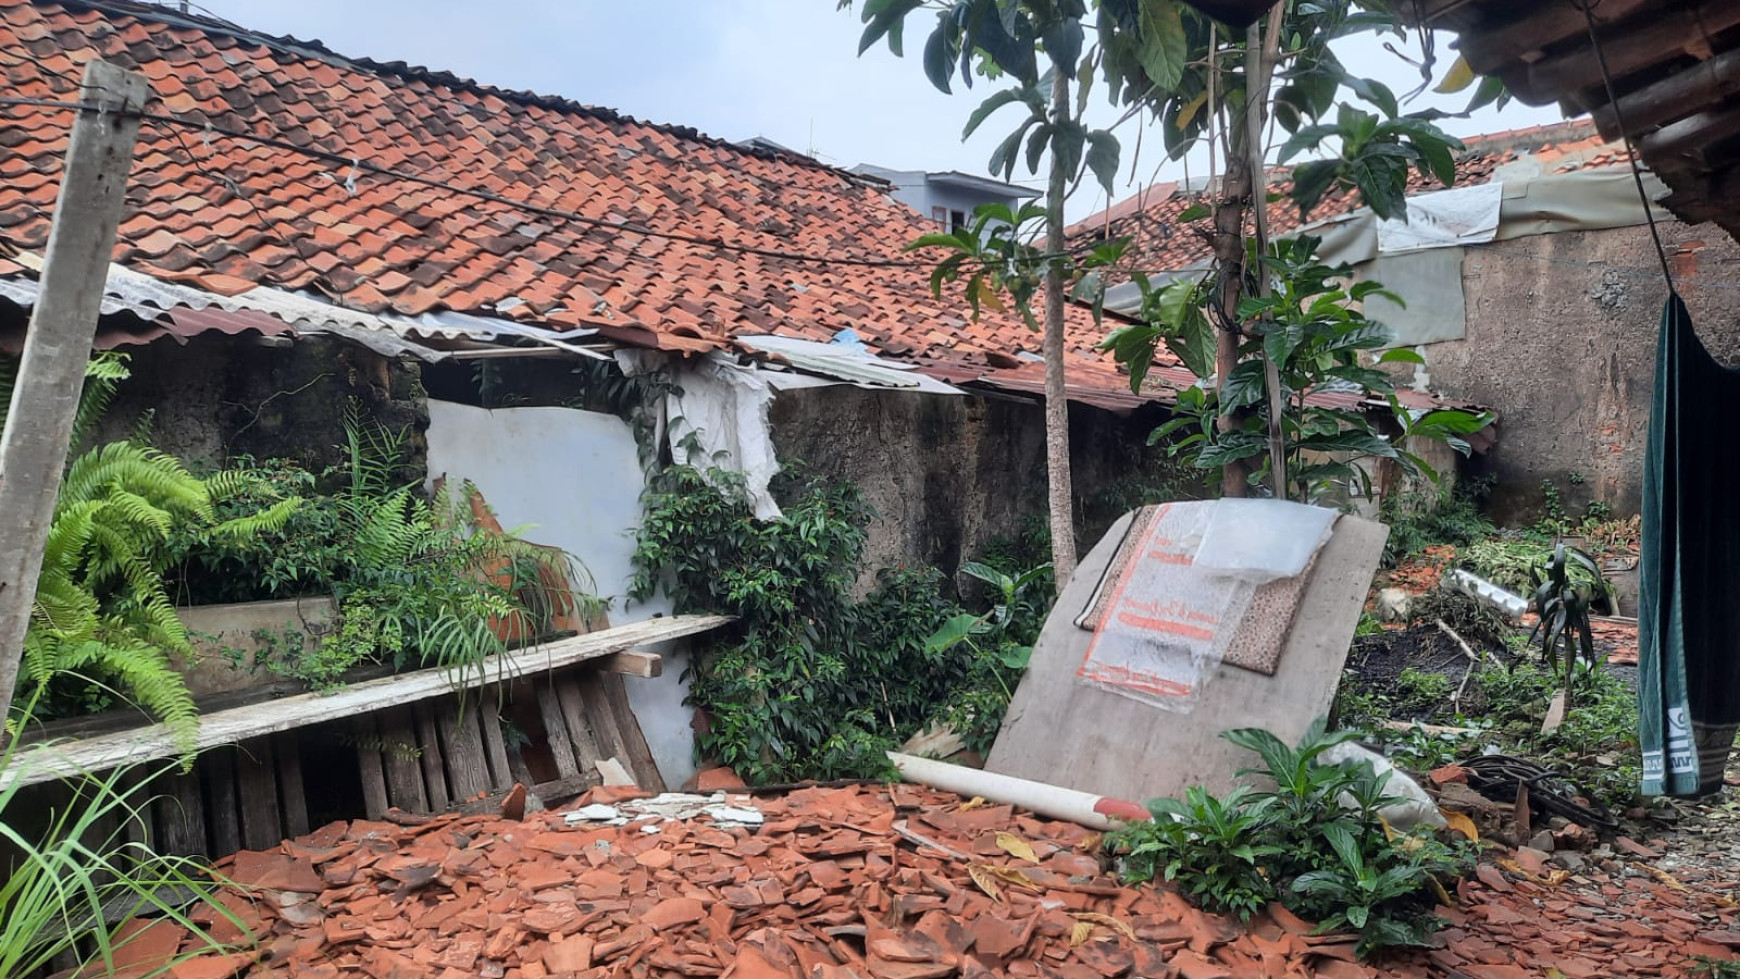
(976, 802)
(1016, 847)
(1121, 927)
(1091, 843)
(1011, 875)
(1082, 931)
(1552, 878)
(1553, 973)
(1661, 875)
(986, 880)
(1460, 822)
(1443, 895)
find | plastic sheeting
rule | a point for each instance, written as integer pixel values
(1177, 605)
(1443, 219)
(1589, 200)
(717, 419)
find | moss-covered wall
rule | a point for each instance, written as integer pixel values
(218, 396)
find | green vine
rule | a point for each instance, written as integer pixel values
(811, 683)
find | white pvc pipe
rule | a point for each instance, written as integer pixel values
(1056, 802)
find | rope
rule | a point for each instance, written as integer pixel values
(1588, 9)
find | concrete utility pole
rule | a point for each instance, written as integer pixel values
(57, 347)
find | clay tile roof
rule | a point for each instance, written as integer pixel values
(1161, 242)
(213, 209)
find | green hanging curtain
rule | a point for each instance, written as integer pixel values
(1688, 681)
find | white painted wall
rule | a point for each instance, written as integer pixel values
(576, 476)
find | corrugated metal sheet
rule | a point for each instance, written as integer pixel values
(181, 310)
(851, 364)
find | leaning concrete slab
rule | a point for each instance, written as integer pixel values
(1065, 732)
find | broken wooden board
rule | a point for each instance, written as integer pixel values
(1067, 733)
(61, 760)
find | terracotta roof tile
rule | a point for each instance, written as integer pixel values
(1162, 242)
(196, 200)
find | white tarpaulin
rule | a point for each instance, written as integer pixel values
(718, 420)
(1444, 219)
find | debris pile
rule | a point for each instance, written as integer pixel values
(864, 882)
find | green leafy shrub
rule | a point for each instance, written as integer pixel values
(420, 581)
(1315, 842)
(1209, 847)
(1505, 561)
(302, 557)
(1424, 518)
(1000, 644)
(811, 683)
(1421, 691)
(102, 625)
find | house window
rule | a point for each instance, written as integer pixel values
(941, 216)
(957, 219)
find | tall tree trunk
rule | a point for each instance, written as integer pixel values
(1229, 253)
(1056, 400)
(1260, 45)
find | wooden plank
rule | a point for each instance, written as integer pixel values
(556, 731)
(1539, 28)
(1674, 97)
(501, 773)
(180, 811)
(292, 796)
(50, 761)
(400, 756)
(589, 746)
(257, 779)
(1630, 48)
(635, 751)
(1679, 147)
(602, 716)
(223, 822)
(634, 663)
(368, 763)
(1082, 737)
(462, 748)
(429, 756)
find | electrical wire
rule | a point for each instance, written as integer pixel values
(1588, 9)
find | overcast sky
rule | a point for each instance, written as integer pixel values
(783, 69)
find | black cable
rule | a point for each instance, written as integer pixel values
(1588, 9)
(624, 227)
(265, 219)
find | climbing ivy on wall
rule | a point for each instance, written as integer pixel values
(811, 683)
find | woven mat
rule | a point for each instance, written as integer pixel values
(1262, 632)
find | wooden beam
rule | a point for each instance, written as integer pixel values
(1492, 47)
(1630, 48)
(1673, 98)
(51, 761)
(1682, 147)
(57, 345)
(634, 663)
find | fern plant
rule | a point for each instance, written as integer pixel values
(428, 583)
(101, 615)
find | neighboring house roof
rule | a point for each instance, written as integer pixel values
(1161, 242)
(1670, 63)
(401, 191)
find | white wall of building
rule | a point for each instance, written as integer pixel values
(576, 476)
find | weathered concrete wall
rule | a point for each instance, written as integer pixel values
(219, 396)
(1561, 342)
(947, 474)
